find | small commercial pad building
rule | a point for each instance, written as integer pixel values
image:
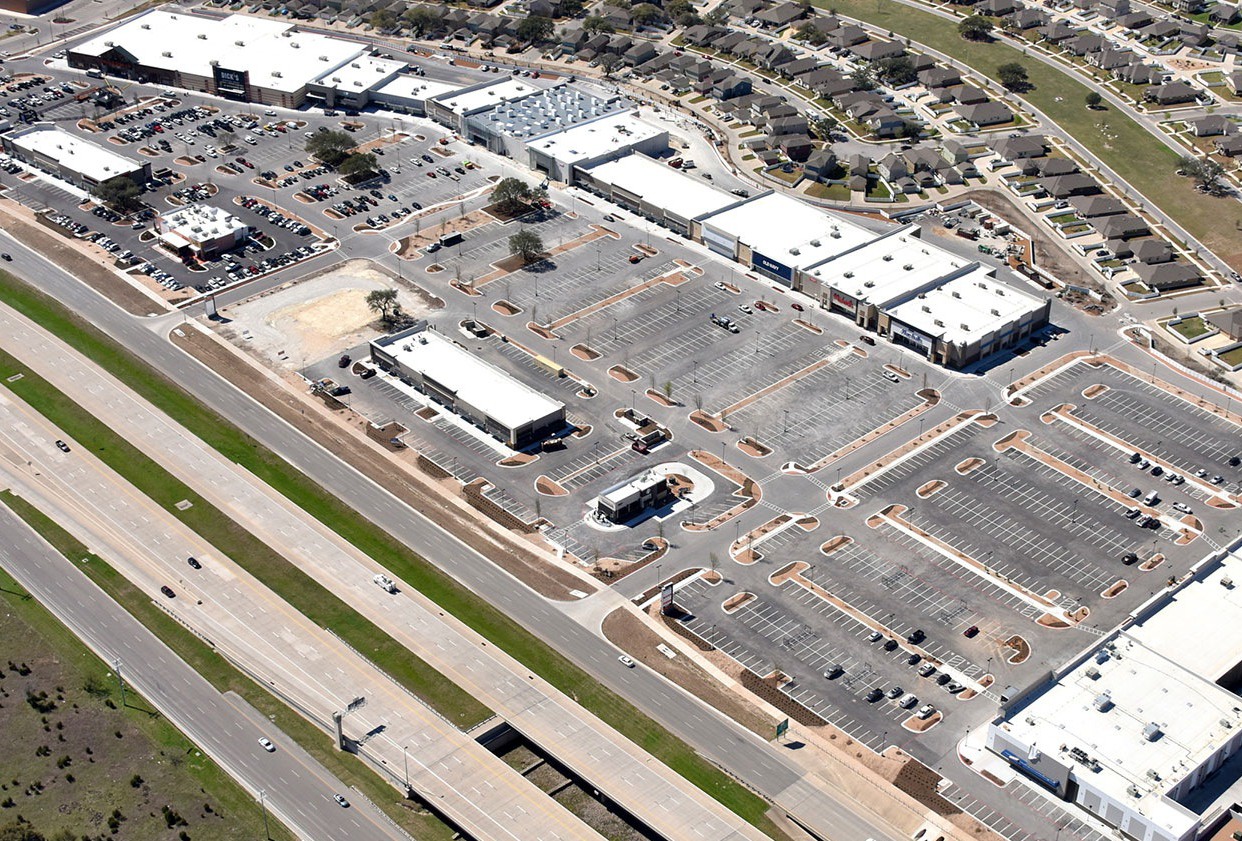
(1132, 730)
(240, 57)
(200, 231)
(477, 391)
(646, 492)
(72, 159)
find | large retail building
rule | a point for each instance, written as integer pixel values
(72, 159)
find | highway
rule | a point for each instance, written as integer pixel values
(765, 769)
(298, 789)
(288, 653)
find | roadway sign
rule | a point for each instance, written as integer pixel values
(782, 728)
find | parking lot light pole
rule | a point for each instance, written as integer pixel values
(267, 832)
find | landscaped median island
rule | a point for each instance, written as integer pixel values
(224, 677)
(416, 571)
(288, 582)
(1128, 148)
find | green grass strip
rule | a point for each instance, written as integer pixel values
(476, 612)
(225, 678)
(1111, 134)
(285, 579)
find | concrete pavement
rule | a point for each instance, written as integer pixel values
(297, 789)
(292, 656)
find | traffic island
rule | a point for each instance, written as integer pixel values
(505, 308)
(622, 374)
(753, 448)
(708, 422)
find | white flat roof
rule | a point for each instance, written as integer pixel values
(1144, 688)
(631, 488)
(663, 186)
(1197, 613)
(361, 74)
(90, 159)
(200, 222)
(416, 88)
(888, 267)
(966, 309)
(478, 383)
(501, 90)
(603, 136)
(276, 56)
(776, 226)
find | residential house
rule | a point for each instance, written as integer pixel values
(702, 34)
(939, 77)
(844, 37)
(543, 8)
(1228, 322)
(1211, 126)
(1223, 14)
(857, 164)
(965, 95)
(985, 114)
(924, 159)
(954, 151)
(1135, 20)
(1195, 34)
(746, 8)
(1093, 207)
(1160, 30)
(786, 125)
(1057, 32)
(1137, 73)
(1172, 93)
(781, 15)
(774, 56)
(1085, 44)
(1119, 248)
(1021, 147)
(638, 53)
(1165, 277)
(1025, 19)
(1066, 186)
(798, 67)
(1189, 7)
(1120, 226)
(1111, 59)
(797, 147)
(1112, 9)
(826, 82)
(573, 36)
(997, 8)
(1152, 251)
(822, 165)
(731, 85)
(728, 42)
(892, 167)
(877, 50)
(1052, 167)
(1230, 146)
(1233, 81)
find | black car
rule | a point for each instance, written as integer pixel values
(193, 562)
(6, 257)
(890, 645)
(341, 391)
(874, 695)
(916, 636)
(62, 446)
(168, 591)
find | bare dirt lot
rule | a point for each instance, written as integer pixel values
(317, 317)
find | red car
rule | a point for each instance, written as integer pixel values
(797, 306)
(971, 632)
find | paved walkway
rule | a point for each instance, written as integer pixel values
(611, 763)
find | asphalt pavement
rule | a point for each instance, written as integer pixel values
(297, 789)
(764, 768)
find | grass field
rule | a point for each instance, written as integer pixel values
(1190, 328)
(74, 756)
(220, 674)
(1114, 137)
(413, 569)
(300, 590)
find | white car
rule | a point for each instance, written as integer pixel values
(626, 661)
(267, 745)
(720, 285)
(889, 375)
(385, 583)
(744, 308)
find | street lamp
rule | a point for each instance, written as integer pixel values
(267, 832)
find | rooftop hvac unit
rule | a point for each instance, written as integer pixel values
(938, 323)
(957, 294)
(323, 58)
(166, 54)
(239, 43)
(214, 62)
(851, 274)
(1000, 292)
(336, 79)
(1093, 673)
(202, 36)
(1226, 723)
(835, 234)
(888, 258)
(276, 73)
(815, 243)
(966, 328)
(996, 313)
(795, 252)
(1133, 791)
(908, 266)
(1152, 732)
(926, 308)
(1103, 702)
(295, 45)
(1152, 773)
(1227, 583)
(109, 44)
(147, 26)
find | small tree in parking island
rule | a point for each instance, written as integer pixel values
(527, 245)
(384, 302)
(119, 193)
(359, 167)
(331, 147)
